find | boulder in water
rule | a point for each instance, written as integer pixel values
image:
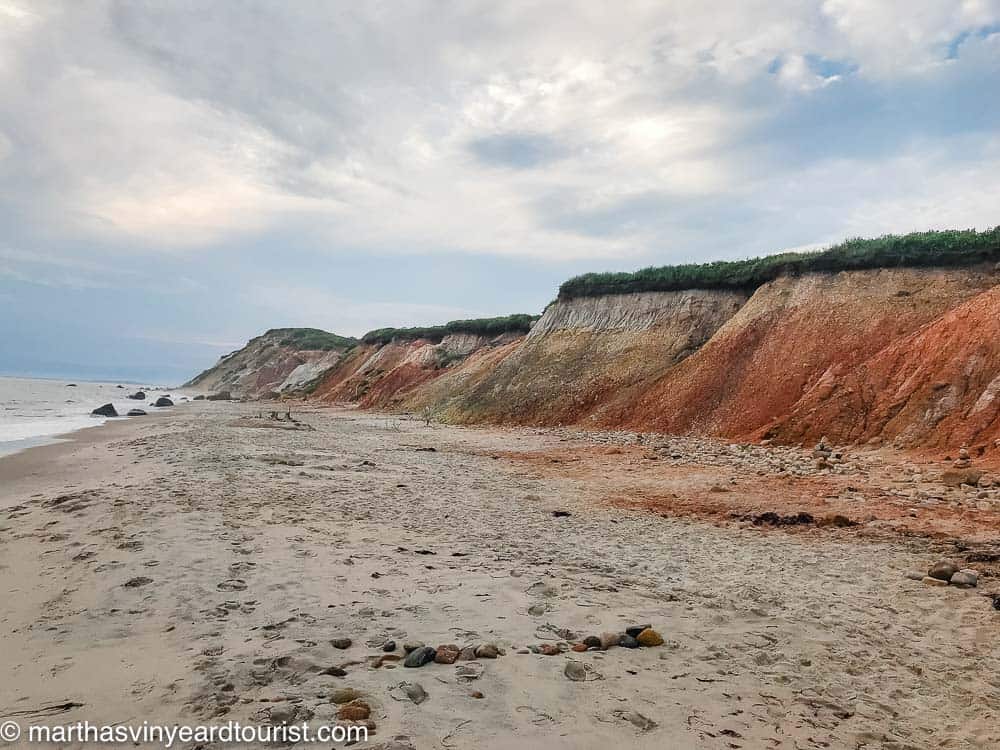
(138, 396)
(108, 410)
(136, 413)
(163, 401)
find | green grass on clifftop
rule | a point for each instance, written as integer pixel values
(479, 327)
(920, 249)
(312, 339)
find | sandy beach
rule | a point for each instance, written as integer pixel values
(197, 566)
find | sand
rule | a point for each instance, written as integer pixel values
(248, 549)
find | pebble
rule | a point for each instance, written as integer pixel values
(341, 643)
(915, 575)
(487, 651)
(467, 654)
(649, 637)
(412, 646)
(537, 609)
(634, 630)
(420, 656)
(592, 641)
(627, 641)
(344, 695)
(389, 646)
(607, 640)
(447, 654)
(943, 570)
(965, 577)
(354, 711)
(415, 692)
(549, 649)
(477, 694)
(575, 671)
(579, 647)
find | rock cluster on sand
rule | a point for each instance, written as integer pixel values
(945, 572)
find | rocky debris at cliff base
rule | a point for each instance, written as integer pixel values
(108, 410)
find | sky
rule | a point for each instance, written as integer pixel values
(177, 177)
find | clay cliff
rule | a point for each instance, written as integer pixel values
(895, 340)
(283, 361)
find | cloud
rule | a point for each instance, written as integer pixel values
(554, 131)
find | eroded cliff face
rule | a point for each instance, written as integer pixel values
(801, 336)
(907, 356)
(391, 375)
(936, 387)
(585, 352)
(269, 364)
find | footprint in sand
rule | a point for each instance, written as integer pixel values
(232, 584)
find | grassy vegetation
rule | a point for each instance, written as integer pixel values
(920, 249)
(478, 327)
(311, 339)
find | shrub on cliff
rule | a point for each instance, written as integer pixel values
(312, 339)
(920, 249)
(479, 327)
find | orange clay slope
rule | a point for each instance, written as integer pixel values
(794, 336)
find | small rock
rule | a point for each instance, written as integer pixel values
(934, 581)
(634, 630)
(335, 672)
(561, 513)
(627, 641)
(108, 410)
(638, 720)
(344, 695)
(447, 654)
(415, 692)
(609, 639)
(649, 637)
(467, 654)
(135, 413)
(477, 694)
(943, 570)
(133, 583)
(592, 641)
(389, 646)
(575, 671)
(412, 646)
(965, 577)
(341, 643)
(579, 647)
(549, 649)
(163, 401)
(915, 575)
(487, 651)
(420, 656)
(354, 711)
(537, 609)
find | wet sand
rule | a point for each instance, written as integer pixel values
(195, 568)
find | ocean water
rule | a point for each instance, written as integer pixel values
(34, 412)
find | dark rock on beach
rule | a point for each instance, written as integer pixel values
(163, 401)
(138, 396)
(136, 413)
(108, 410)
(420, 656)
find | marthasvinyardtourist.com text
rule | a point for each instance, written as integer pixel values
(174, 735)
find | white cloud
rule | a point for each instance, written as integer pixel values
(157, 126)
